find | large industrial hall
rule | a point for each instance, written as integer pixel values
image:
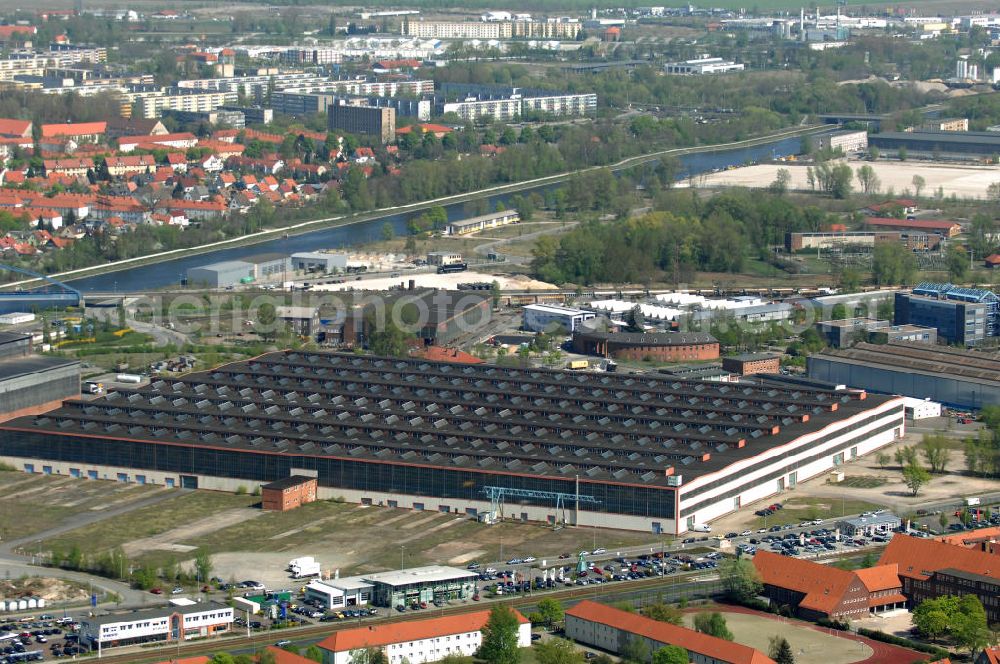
(642, 452)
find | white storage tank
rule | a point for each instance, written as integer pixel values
(32, 603)
(3, 605)
(22, 604)
(41, 602)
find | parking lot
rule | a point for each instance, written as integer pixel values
(35, 639)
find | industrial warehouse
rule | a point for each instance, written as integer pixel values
(649, 453)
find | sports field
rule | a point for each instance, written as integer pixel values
(809, 645)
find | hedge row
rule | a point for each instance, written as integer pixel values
(905, 643)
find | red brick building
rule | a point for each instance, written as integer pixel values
(752, 363)
(289, 493)
(816, 591)
(658, 347)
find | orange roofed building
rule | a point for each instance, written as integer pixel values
(418, 641)
(610, 629)
(930, 568)
(816, 591)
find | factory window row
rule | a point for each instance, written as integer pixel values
(368, 476)
(692, 509)
(898, 415)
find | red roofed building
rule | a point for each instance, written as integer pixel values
(130, 164)
(992, 261)
(942, 227)
(990, 655)
(930, 568)
(282, 656)
(200, 659)
(816, 591)
(255, 135)
(417, 641)
(442, 354)
(610, 629)
(983, 539)
(15, 128)
(180, 140)
(81, 132)
(194, 209)
(438, 130)
(906, 205)
(77, 167)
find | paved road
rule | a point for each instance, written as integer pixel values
(161, 335)
(14, 567)
(485, 248)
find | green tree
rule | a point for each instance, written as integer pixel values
(499, 644)
(713, 624)
(314, 653)
(267, 321)
(386, 338)
(551, 610)
(780, 650)
(893, 263)
(957, 261)
(203, 565)
(387, 232)
(222, 658)
(918, 184)
(915, 476)
(969, 626)
(882, 459)
(838, 312)
(265, 656)
(868, 179)
(664, 613)
(557, 651)
(635, 650)
(936, 452)
(943, 520)
(671, 655)
(635, 320)
(740, 579)
(368, 656)
(781, 181)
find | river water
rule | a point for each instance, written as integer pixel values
(169, 273)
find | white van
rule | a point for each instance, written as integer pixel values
(972, 502)
(701, 528)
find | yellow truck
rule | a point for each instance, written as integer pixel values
(577, 364)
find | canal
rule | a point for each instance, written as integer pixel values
(169, 272)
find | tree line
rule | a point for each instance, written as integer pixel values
(717, 235)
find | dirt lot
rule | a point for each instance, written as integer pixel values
(47, 588)
(962, 181)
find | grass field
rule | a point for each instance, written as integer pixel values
(803, 508)
(808, 645)
(863, 482)
(148, 521)
(35, 503)
(344, 535)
